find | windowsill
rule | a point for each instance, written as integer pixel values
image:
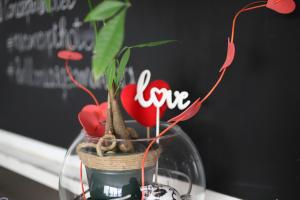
(41, 162)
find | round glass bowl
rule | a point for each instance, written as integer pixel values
(172, 168)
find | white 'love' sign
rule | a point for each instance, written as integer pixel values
(166, 97)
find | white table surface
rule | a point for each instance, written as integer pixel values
(41, 162)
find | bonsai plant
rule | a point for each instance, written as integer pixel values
(109, 146)
(114, 153)
(110, 60)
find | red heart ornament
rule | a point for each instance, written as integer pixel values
(145, 116)
(282, 6)
(230, 55)
(190, 112)
(92, 118)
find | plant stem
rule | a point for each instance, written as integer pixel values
(109, 122)
(119, 126)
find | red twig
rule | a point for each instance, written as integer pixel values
(245, 8)
(68, 70)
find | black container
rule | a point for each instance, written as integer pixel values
(115, 184)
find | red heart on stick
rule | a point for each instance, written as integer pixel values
(282, 6)
(145, 116)
(92, 118)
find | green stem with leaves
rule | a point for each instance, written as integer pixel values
(110, 60)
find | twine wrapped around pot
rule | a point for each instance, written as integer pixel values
(116, 162)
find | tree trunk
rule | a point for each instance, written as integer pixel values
(119, 126)
(109, 121)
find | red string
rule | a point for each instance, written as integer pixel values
(245, 8)
(81, 183)
(68, 70)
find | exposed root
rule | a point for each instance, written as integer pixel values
(119, 126)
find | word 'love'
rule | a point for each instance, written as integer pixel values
(166, 96)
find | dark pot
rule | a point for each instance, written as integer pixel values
(115, 184)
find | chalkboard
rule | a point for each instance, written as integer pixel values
(246, 133)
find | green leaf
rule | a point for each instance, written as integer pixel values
(108, 43)
(104, 10)
(111, 74)
(48, 5)
(122, 65)
(153, 44)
